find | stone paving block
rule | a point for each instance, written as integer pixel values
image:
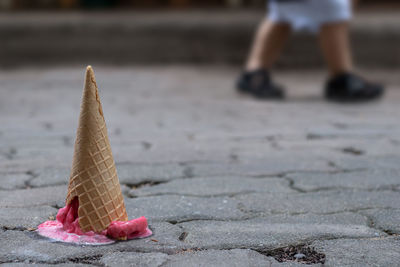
(332, 132)
(228, 258)
(224, 258)
(24, 245)
(386, 220)
(25, 217)
(172, 150)
(125, 190)
(260, 233)
(50, 196)
(324, 202)
(13, 166)
(135, 174)
(380, 162)
(37, 154)
(34, 162)
(28, 263)
(165, 239)
(284, 150)
(152, 259)
(343, 218)
(14, 180)
(360, 252)
(267, 167)
(215, 186)
(181, 208)
(367, 179)
(50, 176)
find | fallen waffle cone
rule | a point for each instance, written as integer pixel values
(94, 179)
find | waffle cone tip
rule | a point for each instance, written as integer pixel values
(89, 73)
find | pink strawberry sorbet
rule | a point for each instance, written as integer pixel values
(66, 228)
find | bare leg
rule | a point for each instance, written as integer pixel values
(267, 45)
(335, 45)
(343, 85)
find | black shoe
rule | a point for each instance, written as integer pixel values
(347, 87)
(258, 83)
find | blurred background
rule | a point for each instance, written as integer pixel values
(132, 32)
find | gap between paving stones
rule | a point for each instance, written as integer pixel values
(292, 185)
(146, 183)
(261, 214)
(392, 188)
(371, 223)
(302, 183)
(197, 196)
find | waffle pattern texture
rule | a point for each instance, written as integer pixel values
(94, 177)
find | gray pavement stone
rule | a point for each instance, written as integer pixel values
(386, 220)
(50, 196)
(324, 202)
(50, 177)
(182, 208)
(22, 245)
(332, 132)
(266, 167)
(215, 186)
(135, 174)
(370, 179)
(262, 234)
(341, 148)
(25, 217)
(152, 259)
(234, 257)
(223, 258)
(363, 252)
(14, 181)
(344, 218)
(125, 189)
(28, 263)
(390, 161)
(165, 239)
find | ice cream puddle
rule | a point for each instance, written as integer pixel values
(95, 211)
(66, 228)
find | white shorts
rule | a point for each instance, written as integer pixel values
(309, 14)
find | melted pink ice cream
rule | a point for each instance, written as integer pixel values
(66, 228)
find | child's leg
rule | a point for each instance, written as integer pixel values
(343, 84)
(335, 45)
(266, 48)
(267, 44)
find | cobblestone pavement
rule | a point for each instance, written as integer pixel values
(224, 180)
